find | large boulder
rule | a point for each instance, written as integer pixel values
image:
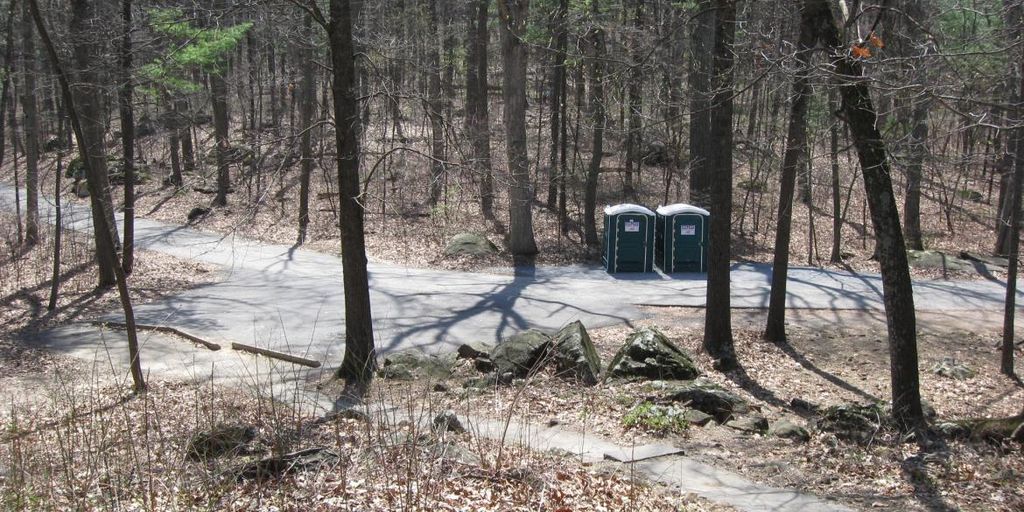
(953, 369)
(786, 429)
(937, 260)
(470, 244)
(852, 422)
(521, 354)
(708, 398)
(412, 364)
(649, 354)
(574, 354)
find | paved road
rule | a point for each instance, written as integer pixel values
(288, 299)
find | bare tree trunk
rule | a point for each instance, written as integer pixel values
(307, 99)
(513, 15)
(793, 160)
(702, 46)
(124, 97)
(435, 108)
(219, 101)
(6, 82)
(28, 107)
(560, 32)
(598, 118)
(360, 358)
(188, 158)
(477, 116)
(636, 105)
(90, 146)
(837, 217)
(1017, 145)
(58, 228)
(897, 291)
(718, 340)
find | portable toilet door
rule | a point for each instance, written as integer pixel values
(682, 239)
(628, 239)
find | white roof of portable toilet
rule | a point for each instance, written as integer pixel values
(627, 208)
(675, 209)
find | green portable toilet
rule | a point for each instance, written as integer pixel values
(681, 242)
(628, 239)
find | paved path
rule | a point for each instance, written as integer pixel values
(290, 300)
(278, 297)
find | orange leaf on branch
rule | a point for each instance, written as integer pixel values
(876, 41)
(860, 52)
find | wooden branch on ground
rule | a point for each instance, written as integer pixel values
(164, 329)
(276, 355)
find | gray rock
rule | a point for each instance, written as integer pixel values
(521, 354)
(412, 364)
(574, 354)
(448, 422)
(220, 440)
(749, 424)
(937, 260)
(953, 369)
(788, 430)
(474, 351)
(708, 398)
(649, 354)
(695, 417)
(470, 244)
(852, 422)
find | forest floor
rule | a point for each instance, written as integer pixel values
(68, 433)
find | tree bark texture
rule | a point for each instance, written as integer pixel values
(124, 100)
(794, 159)
(513, 16)
(359, 362)
(897, 290)
(31, 124)
(702, 42)
(718, 340)
(477, 115)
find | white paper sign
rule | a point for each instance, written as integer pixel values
(688, 229)
(632, 226)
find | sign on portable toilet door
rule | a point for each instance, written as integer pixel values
(688, 229)
(632, 226)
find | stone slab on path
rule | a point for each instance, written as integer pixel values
(656, 462)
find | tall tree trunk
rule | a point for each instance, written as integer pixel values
(561, 35)
(6, 80)
(918, 149)
(837, 214)
(636, 106)
(307, 100)
(58, 227)
(718, 340)
(31, 123)
(219, 101)
(83, 105)
(435, 108)
(702, 46)
(477, 115)
(360, 360)
(793, 160)
(598, 117)
(188, 155)
(1016, 16)
(513, 15)
(176, 179)
(897, 291)
(124, 98)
